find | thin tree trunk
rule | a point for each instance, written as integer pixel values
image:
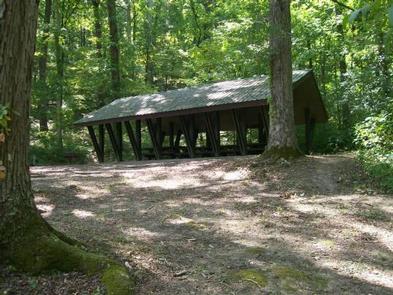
(384, 64)
(129, 16)
(344, 105)
(97, 27)
(59, 53)
(42, 67)
(282, 138)
(149, 66)
(114, 48)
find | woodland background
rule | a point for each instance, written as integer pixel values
(90, 52)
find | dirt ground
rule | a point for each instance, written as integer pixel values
(228, 225)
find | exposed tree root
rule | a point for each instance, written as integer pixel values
(275, 153)
(43, 249)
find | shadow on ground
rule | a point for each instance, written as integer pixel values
(217, 226)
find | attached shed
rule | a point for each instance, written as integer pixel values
(184, 115)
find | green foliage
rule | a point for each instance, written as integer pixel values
(198, 41)
(375, 141)
(45, 150)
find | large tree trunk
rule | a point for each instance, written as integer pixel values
(17, 35)
(42, 67)
(282, 137)
(114, 48)
(26, 240)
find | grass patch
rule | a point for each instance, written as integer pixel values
(255, 276)
(373, 214)
(292, 280)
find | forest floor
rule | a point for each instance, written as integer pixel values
(225, 225)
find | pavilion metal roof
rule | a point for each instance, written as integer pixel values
(206, 96)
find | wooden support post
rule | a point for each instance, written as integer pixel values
(160, 135)
(171, 136)
(153, 137)
(265, 118)
(177, 140)
(187, 136)
(119, 138)
(241, 136)
(217, 129)
(138, 133)
(210, 135)
(113, 140)
(101, 140)
(309, 129)
(96, 146)
(135, 147)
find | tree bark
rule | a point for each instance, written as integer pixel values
(282, 138)
(42, 67)
(26, 240)
(345, 111)
(114, 48)
(17, 36)
(149, 66)
(97, 27)
(59, 54)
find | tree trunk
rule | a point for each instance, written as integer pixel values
(17, 35)
(345, 112)
(97, 27)
(149, 66)
(114, 48)
(42, 67)
(282, 138)
(384, 64)
(59, 53)
(26, 240)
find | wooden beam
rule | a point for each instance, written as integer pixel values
(134, 143)
(241, 136)
(95, 144)
(172, 136)
(119, 138)
(138, 133)
(177, 140)
(265, 117)
(309, 129)
(101, 140)
(263, 126)
(113, 140)
(187, 136)
(153, 137)
(160, 135)
(217, 128)
(211, 140)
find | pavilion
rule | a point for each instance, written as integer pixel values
(189, 122)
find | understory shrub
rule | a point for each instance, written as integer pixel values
(374, 137)
(44, 148)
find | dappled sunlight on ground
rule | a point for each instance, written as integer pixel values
(190, 226)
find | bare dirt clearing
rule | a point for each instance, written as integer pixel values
(224, 226)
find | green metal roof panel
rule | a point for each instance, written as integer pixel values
(221, 93)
